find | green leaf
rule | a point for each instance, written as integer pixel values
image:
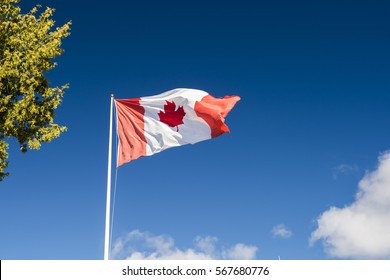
(29, 43)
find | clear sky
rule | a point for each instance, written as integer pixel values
(304, 174)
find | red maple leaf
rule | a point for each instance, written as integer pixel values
(170, 116)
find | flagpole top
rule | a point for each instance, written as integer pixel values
(112, 95)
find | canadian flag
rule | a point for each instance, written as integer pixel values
(149, 125)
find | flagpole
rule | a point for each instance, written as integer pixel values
(108, 201)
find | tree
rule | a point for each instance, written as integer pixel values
(28, 45)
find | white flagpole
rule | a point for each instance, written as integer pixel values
(108, 201)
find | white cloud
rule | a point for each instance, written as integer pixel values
(206, 244)
(240, 252)
(344, 169)
(360, 230)
(137, 245)
(281, 231)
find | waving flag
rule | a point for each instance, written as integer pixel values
(149, 125)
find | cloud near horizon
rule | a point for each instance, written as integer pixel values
(360, 230)
(281, 231)
(137, 245)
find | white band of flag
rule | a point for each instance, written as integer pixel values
(149, 125)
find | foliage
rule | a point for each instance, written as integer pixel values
(28, 45)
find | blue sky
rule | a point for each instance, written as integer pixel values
(303, 174)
